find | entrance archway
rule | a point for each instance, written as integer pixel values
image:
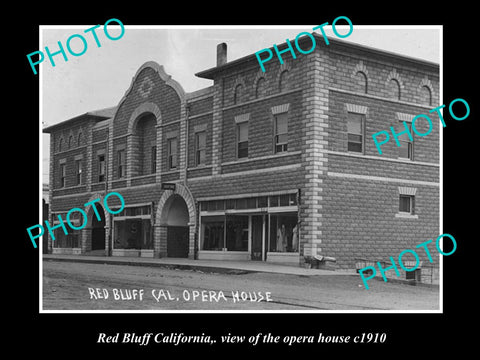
(175, 220)
(94, 235)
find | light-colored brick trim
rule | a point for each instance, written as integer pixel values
(242, 118)
(279, 109)
(358, 109)
(404, 117)
(403, 190)
(381, 178)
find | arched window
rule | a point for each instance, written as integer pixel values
(144, 149)
(60, 144)
(238, 94)
(361, 84)
(261, 88)
(70, 141)
(394, 89)
(425, 95)
(79, 139)
(283, 81)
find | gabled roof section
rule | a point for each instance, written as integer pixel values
(96, 115)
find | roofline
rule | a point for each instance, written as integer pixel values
(209, 73)
(89, 114)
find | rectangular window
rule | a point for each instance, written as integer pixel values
(213, 233)
(200, 147)
(62, 175)
(172, 146)
(78, 172)
(236, 232)
(101, 168)
(405, 151)
(133, 234)
(242, 139)
(283, 233)
(355, 129)
(153, 156)
(281, 133)
(121, 163)
(407, 204)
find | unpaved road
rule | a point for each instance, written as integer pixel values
(78, 286)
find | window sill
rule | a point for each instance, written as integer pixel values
(406, 216)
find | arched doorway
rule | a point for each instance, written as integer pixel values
(175, 217)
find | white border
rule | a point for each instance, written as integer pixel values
(306, 28)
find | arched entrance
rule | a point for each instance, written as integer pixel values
(175, 223)
(176, 220)
(94, 235)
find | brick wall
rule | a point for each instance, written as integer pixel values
(361, 191)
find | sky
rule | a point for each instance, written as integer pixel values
(100, 77)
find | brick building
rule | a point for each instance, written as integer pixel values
(266, 166)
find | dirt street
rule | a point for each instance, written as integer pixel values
(77, 286)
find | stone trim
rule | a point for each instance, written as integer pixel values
(242, 118)
(279, 109)
(381, 178)
(403, 190)
(358, 109)
(147, 107)
(404, 117)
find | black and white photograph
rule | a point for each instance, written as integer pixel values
(242, 169)
(213, 185)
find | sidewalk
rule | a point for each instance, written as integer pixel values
(222, 266)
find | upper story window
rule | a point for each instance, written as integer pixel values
(238, 94)
(405, 150)
(281, 132)
(60, 144)
(172, 157)
(101, 167)
(78, 172)
(407, 204)
(79, 139)
(260, 90)
(394, 89)
(121, 163)
(283, 81)
(153, 159)
(355, 131)
(362, 82)
(63, 174)
(70, 141)
(242, 139)
(200, 147)
(142, 154)
(425, 95)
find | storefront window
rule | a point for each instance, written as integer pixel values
(237, 233)
(283, 233)
(65, 241)
(133, 234)
(212, 233)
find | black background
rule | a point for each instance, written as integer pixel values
(66, 335)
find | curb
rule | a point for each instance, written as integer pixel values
(170, 266)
